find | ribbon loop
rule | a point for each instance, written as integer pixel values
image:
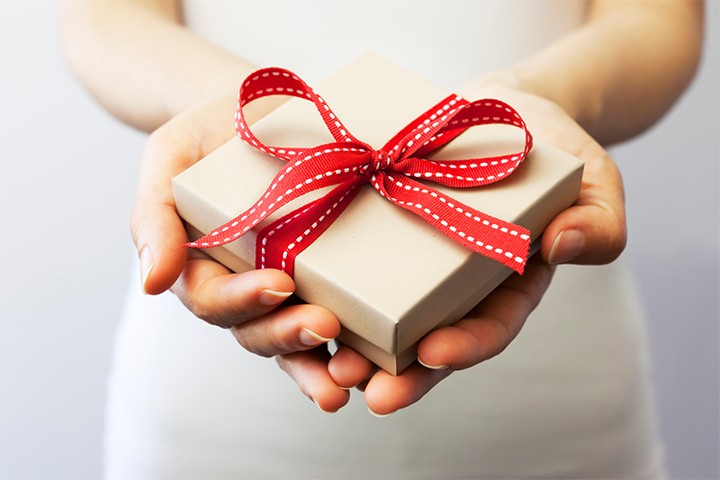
(392, 170)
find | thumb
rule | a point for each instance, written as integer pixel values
(156, 228)
(593, 231)
(159, 235)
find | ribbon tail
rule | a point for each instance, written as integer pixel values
(300, 176)
(505, 242)
(279, 243)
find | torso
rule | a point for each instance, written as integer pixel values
(569, 398)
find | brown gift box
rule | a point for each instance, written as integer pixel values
(387, 275)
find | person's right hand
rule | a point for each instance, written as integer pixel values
(249, 304)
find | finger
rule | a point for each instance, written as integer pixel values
(287, 330)
(385, 394)
(482, 334)
(592, 231)
(348, 368)
(211, 292)
(490, 327)
(158, 233)
(156, 227)
(157, 230)
(309, 370)
(363, 384)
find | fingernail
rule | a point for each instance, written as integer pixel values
(147, 263)
(439, 367)
(379, 415)
(312, 339)
(271, 297)
(567, 247)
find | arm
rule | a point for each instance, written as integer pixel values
(605, 82)
(140, 63)
(621, 71)
(558, 91)
(614, 76)
(152, 73)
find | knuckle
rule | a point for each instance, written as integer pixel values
(620, 241)
(259, 340)
(212, 311)
(154, 139)
(199, 309)
(191, 304)
(280, 344)
(499, 339)
(283, 363)
(243, 340)
(616, 240)
(222, 319)
(135, 222)
(530, 295)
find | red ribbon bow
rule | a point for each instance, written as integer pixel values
(352, 163)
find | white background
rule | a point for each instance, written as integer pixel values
(67, 180)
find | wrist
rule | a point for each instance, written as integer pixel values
(221, 85)
(223, 103)
(578, 97)
(581, 100)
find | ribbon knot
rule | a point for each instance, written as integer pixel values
(393, 170)
(379, 161)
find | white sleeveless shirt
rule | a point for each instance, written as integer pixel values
(448, 43)
(570, 397)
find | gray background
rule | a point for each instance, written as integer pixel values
(66, 189)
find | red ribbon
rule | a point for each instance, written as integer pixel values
(350, 163)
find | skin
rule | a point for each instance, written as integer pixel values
(606, 81)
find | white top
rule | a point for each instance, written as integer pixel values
(570, 397)
(448, 43)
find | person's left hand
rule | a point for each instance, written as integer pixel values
(592, 231)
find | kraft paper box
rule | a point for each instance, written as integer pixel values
(385, 273)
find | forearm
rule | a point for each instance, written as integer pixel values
(139, 62)
(623, 69)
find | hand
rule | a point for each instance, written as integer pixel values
(248, 304)
(592, 231)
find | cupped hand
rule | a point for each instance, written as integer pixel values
(592, 231)
(252, 304)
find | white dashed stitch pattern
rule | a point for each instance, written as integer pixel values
(436, 217)
(462, 116)
(280, 198)
(299, 239)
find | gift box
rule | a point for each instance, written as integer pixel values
(387, 275)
